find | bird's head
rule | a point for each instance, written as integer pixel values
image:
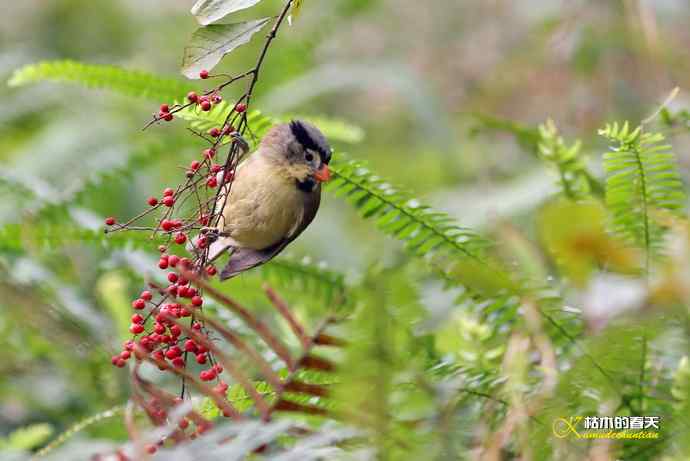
(301, 151)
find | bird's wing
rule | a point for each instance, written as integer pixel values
(243, 259)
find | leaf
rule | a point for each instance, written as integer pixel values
(210, 11)
(128, 82)
(295, 11)
(209, 44)
(27, 438)
(642, 180)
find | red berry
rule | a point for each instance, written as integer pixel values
(159, 328)
(168, 117)
(120, 363)
(212, 182)
(173, 260)
(201, 242)
(153, 201)
(183, 424)
(180, 238)
(216, 98)
(196, 326)
(203, 74)
(183, 291)
(195, 165)
(162, 248)
(228, 129)
(178, 362)
(136, 328)
(192, 96)
(165, 108)
(172, 277)
(175, 330)
(136, 318)
(209, 153)
(125, 355)
(186, 263)
(201, 359)
(190, 345)
(214, 132)
(110, 221)
(163, 263)
(146, 295)
(167, 225)
(205, 105)
(172, 290)
(168, 191)
(168, 201)
(211, 270)
(138, 304)
(173, 352)
(197, 301)
(240, 107)
(215, 168)
(217, 368)
(151, 449)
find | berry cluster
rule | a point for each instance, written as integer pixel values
(164, 325)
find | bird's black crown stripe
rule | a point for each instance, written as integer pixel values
(301, 133)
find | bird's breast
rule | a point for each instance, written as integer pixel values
(263, 208)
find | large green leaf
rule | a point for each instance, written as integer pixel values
(209, 44)
(209, 11)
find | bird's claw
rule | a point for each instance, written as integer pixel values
(212, 234)
(240, 142)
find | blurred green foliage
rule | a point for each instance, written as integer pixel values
(535, 244)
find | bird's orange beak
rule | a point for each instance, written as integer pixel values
(323, 174)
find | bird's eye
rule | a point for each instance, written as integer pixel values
(309, 157)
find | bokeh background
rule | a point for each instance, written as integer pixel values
(438, 89)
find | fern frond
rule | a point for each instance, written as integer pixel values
(642, 179)
(336, 130)
(566, 159)
(26, 438)
(78, 427)
(307, 276)
(424, 231)
(17, 237)
(128, 82)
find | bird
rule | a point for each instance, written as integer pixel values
(273, 198)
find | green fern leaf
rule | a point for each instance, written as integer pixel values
(17, 237)
(128, 82)
(567, 160)
(424, 231)
(642, 180)
(306, 276)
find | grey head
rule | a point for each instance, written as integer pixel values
(302, 150)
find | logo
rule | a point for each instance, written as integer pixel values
(607, 427)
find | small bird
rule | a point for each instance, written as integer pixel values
(275, 195)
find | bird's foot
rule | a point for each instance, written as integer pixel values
(212, 234)
(240, 142)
